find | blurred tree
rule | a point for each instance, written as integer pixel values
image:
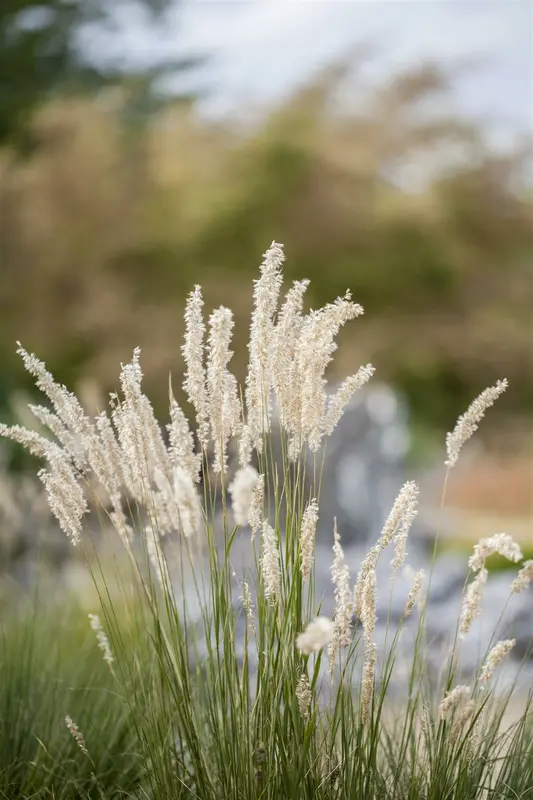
(41, 53)
(98, 247)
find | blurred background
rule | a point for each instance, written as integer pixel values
(147, 146)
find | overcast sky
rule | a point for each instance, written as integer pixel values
(260, 49)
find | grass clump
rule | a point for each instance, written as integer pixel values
(224, 677)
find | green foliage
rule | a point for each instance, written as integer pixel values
(50, 667)
(111, 232)
(40, 55)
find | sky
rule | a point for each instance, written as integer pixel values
(261, 49)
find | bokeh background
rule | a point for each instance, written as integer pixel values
(148, 146)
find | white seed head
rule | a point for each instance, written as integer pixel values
(223, 403)
(500, 543)
(259, 378)
(408, 505)
(181, 441)
(494, 659)
(270, 562)
(468, 423)
(307, 538)
(193, 347)
(396, 529)
(472, 601)
(337, 403)
(452, 700)
(315, 352)
(304, 696)
(524, 578)
(66, 497)
(285, 344)
(368, 611)
(255, 511)
(414, 594)
(241, 490)
(316, 636)
(76, 734)
(343, 594)
(101, 638)
(369, 672)
(188, 503)
(247, 603)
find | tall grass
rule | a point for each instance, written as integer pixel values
(222, 676)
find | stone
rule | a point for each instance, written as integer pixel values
(364, 465)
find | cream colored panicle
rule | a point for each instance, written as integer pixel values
(101, 638)
(472, 601)
(396, 528)
(241, 491)
(369, 673)
(337, 403)
(307, 538)
(414, 594)
(188, 502)
(494, 659)
(409, 509)
(304, 696)
(524, 578)
(317, 345)
(453, 699)
(316, 636)
(181, 441)
(500, 543)
(285, 343)
(76, 734)
(255, 511)
(66, 497)
(468, 423)
(224, 407)
(368, 611)
(193, 348)
(66, 405)
(247, 603)
(259, 377)
(342, 617)
(270, 563)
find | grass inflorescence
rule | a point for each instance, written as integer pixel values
(207, 668)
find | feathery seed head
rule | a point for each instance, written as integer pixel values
(181, 441)
(343, 594)
(223, 403)
(270, 563)
(494, 659)
(307, 538)
(304, 696)
(500, 543)
(524, 577)
(453, 699)
(260, 345)
(188, 503)
(241, 490)
(76, 734)
(472, 601)
(468, 423)
(317, 635)
(337, 403)
(414, 594)
(193, 347)
(101, 638)
(369, 672)
(255, 511)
